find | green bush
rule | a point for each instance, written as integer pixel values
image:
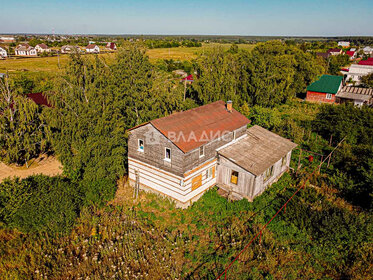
(52, 204)
(39, 203)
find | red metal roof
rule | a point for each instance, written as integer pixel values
(39, 99)
(350, 53)
(369, 61)
(334, 50)
(91, 46)
(191, 129)
(188, 78)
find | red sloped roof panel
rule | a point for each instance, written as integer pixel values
(39, 99)
(191, 129)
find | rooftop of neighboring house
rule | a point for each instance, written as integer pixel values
(360, 69)
(350, 53)
(43, 46)
(23, 47)
(369, 61)
(261, 147)
(188, 78)
(39, 99)
(205, 123)
(111, 45)
(364, 94)
(91, 46)
(326, 84)
(334, 50)
(323, 54)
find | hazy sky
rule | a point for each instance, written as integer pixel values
(234, 17)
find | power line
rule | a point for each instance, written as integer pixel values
(283, 206)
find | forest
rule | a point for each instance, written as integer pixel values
(85, 223)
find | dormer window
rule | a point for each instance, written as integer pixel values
(167, 154)
(201, 151)
(140, 145)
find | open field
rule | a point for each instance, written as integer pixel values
(55, 64)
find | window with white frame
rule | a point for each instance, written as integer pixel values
(329, 96)
(140, 145)
(201, 151)
(167, 154)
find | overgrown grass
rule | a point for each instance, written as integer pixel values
(151, 239)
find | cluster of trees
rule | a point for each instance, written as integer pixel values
(154, 44)
(270, 74)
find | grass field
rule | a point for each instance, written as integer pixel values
(53, 64)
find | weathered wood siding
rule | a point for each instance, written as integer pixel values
(248, 184)
(168, 184)
(154, 150)
(245, 182)
(278, 170)
(192, 158)
(180, 163)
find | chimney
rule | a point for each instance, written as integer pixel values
(229, 106)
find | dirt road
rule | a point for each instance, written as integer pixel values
(43, 165)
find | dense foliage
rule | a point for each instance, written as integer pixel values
(271, 74)
(95, 103)
(22, 125)
(49, 204)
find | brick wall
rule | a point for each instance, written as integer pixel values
(320, 97)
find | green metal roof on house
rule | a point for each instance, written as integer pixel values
(327, 84)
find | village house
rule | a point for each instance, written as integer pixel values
(25, 50)
(92, 48)
(247, 167)
(324, 89)
(368, 50)
(323, 54)
(357, 71)
(351, 54)
(356, 95)
(70, 49)
(7, 39)
(40, 48)
(111, 46)
(335, 51)
(343, 44)
(184, 154)
(3, 53)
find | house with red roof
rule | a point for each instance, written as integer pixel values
(92, 48)
(182, 155)
(111, 46)
(40, 48)
(335, 51)
(351, 54)
(39, 98)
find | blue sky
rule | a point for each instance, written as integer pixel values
(234, 17)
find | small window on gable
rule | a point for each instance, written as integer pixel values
(329, 96)
(234, 177)
(141, 145)
(167, 154)
(201, 151)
